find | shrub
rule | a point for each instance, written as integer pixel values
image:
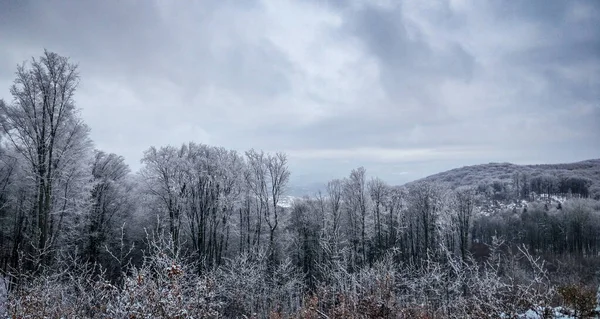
(580, 298)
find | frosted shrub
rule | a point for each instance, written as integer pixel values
(247, 289)
(163, 287)
(153, 295)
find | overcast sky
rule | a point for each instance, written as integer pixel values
(403, 88)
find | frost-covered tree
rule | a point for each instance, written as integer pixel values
(42, 125)
(306, 223)
(198, 188)
(378, 190)
(355, 199)
(425, 205)
(110, 201)
(163, 179)
(267, 179)
(212, 184)
(462, 218)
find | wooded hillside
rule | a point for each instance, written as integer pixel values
(580, 178)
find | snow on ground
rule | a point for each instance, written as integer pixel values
(493, 207)
(557, 313)
(287, 201)
(3, 298)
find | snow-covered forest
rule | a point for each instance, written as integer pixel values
(200, 231)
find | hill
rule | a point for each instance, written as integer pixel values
(581, 178)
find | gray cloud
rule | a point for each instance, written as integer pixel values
(406, 59)
(397, 86)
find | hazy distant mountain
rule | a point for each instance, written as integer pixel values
(307, 189)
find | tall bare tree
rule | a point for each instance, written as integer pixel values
(268, 179)
(462, 218)
(163, 178)
(109, 200)
(425, 205)
(334, 199)
(378, 191)
(355, 200)
(43, 126)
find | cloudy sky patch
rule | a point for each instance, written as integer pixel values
(404, 88)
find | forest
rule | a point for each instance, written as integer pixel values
(200, 231)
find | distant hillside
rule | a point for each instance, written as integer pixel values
(580, 177)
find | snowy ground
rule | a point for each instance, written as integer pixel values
(287, 201)
(558, 312)
(3, 298)
(499, 207)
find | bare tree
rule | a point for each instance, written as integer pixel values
(425, 205)
(163, 179)
(256, 181)
(378, 190)
(355, 200)
(43, 126)
(393, 204)
(109, 200)
(462, 218)
(334, 199)
(306, 222)
(268, 180)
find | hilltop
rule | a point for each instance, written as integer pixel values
(580, 177)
